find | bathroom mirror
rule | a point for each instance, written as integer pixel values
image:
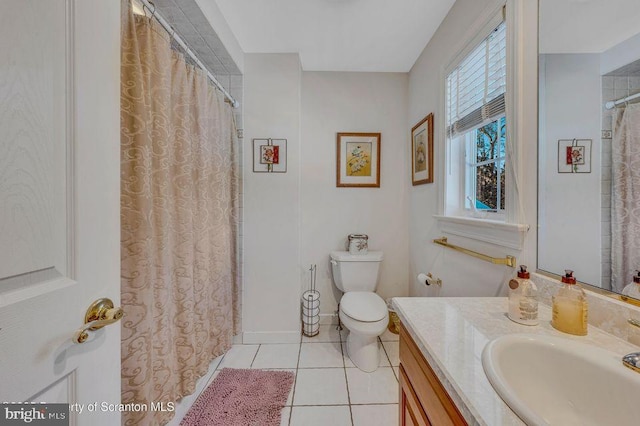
(588, 220)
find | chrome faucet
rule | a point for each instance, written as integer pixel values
(632, 360)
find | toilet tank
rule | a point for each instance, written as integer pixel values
(357, 272)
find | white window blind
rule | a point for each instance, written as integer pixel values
(476, 87)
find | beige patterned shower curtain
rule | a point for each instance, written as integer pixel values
(625, 196)
(179, 195)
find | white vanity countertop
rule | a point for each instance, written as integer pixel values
(452, 332)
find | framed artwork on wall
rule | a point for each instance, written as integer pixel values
(574, 155)
(269, 155)
(422, 151)
(358, 160)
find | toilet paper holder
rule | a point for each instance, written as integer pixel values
(428, 279)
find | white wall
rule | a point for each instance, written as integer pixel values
(294, 219)
(271, 201)
(461, 274)
(570, 214)
(335, 102)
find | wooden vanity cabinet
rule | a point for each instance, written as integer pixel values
(423, 399)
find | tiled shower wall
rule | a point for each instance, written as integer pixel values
(235, 89)
(614, 87)
(233, 84)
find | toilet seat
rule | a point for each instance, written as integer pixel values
(363, 306)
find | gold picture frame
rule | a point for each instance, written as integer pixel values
(422, 151)
(358, 160)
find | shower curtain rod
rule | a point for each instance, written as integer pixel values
(613, 104)
(154, 14)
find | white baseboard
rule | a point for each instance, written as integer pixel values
(266, 337)
(262, 337)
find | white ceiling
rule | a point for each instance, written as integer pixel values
(337, 35)
(586, 26)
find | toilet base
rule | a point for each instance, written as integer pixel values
(362, 343)
(363, 351)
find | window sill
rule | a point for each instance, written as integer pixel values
(510, 235)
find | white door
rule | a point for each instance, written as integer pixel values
(59, 202)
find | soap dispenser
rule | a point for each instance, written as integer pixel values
(570, 307)
(523, 299)
(633, 289)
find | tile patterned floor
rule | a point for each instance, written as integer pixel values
(328, 390)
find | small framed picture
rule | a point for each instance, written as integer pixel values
(422, 151)
(270, 155)
(574, 155)
(358, 160)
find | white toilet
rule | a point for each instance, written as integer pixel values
(362, 311)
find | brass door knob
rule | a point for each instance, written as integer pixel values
(100, 313)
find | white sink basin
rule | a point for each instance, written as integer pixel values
(549, 380)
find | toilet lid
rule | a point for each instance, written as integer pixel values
(363, 306)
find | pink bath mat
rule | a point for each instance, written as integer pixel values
(242, 398)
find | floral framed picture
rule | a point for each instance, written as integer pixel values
(422, 151)
(270, 155)
(574, 155)
(358, 160)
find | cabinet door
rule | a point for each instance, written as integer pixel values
(406, 419)
(411, 412)
(425, 386)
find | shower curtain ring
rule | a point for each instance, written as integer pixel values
(153, 12)
(145, 6)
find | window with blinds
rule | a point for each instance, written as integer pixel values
(476, 127)
(476, 87)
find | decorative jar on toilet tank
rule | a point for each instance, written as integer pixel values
(358, 243)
